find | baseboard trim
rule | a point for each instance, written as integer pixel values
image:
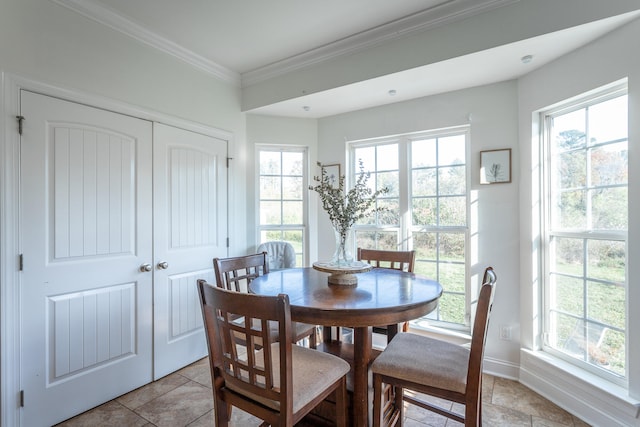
(501, 368)
(590, 398)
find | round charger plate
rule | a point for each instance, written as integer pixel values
(344, 275)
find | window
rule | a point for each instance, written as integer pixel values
(585, 230)
(427, 210)
(282, 199)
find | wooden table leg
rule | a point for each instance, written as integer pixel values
(392, 331)
(362, 357)
(326, 333)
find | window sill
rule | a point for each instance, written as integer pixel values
(457, 337)
(598, 401)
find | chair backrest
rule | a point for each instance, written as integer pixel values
(280, 254)
(236, 273)
(397, 260)
(479, 333)
(262, 373)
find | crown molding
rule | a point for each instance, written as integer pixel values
(119, 23)
(448, 12)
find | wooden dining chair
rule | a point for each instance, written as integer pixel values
(263, 375)
(396, 260)
(434, 367)
(236, 273)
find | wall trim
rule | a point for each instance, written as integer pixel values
(115, 106)
(593, 399)
(10, 88)
(9, 250)
(436, 16)
(501, 368)
(439, 15)
(122, 24)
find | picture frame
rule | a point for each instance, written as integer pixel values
(495, 166)
(333, 172)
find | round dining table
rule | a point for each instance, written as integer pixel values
(381, 297)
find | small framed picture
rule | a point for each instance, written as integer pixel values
(333, 173)
(495, 166)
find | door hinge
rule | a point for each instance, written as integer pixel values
(20, 120)
(20, 262)
(228, 160)
(227, 242)
(22, 398)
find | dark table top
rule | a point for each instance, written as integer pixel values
(381, 296)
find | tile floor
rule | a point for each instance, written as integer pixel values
(184, 399)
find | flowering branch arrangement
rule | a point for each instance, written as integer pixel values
(345, 209)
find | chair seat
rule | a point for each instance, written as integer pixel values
(424, 360)
(307, 383)
(302, 330)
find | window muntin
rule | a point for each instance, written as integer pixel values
(586, 233)
(281, 197)
(428, 178)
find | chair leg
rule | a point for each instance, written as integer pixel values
(398, 393)
(341, 404)
(473, 414)
(221, 413)
(387, 404)
(313, 338)
(377, 400)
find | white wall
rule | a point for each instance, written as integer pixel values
(280, 131)
(63, 51)
(51, 44)
(609, 59)
(495, 233)
(44, 41)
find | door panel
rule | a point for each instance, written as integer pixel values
(190, 229)
(86, 308)
(91, 328)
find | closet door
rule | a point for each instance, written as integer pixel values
(190, 229)
(86, 230)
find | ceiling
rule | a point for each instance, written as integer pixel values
(240, 40)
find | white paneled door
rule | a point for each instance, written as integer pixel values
(190, 229)
(119, 218)
(86, 228)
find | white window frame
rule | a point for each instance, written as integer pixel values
(547, 234)
(304, 227)
(404, 228)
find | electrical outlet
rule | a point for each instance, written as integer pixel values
(505, 333)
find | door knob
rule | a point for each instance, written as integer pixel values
(146, 268)
(163, 265)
